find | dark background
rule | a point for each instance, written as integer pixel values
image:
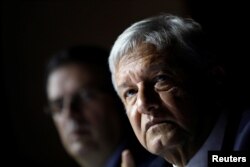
(33, 30)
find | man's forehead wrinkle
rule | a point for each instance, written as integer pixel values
(143, 55)
(140, 62)
(132, 70)
(139, 52)
(129, 58)
(144, 65)
(128, 77)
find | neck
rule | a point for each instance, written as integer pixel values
(180, 155)
(94, 161)
(95, 158)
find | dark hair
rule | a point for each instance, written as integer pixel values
(95, 57)
(82, 55)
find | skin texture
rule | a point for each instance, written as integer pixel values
(90, 131)
(164, 116)
(127, 159)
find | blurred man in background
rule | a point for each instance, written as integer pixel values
(86, 111)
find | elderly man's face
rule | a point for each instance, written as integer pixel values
(160, 112)
(86, 118)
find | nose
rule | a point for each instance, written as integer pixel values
(72, 106)
(147, 100)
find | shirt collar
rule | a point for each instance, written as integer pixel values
(212, 143)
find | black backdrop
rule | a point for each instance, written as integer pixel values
(33, 30)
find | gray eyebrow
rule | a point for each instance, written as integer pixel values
(123, 85)
(153, 68)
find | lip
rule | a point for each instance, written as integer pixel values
(80, 131)
(158, 121)
(79, 134)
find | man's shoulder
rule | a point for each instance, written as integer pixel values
(159, 162)
(142, 157)
(242, 141)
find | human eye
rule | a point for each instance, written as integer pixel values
(129, 93)
(86, 94)
(162, 81)
(56, 106)
(90, 93)
(161, 78)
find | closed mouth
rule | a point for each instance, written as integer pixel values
(157, 122)
(80, 131)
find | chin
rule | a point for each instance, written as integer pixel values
(82, 149)
(155, 145)
(78, 149)
(162, 143)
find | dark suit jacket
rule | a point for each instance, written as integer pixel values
(237, 136)
(242, 140)
(141, 156)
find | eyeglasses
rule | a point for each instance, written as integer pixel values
(74, 102)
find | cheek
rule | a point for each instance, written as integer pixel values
(61, 124)
(95, 114)
(170, 104)
(179, 107)
(101, 115)
(135, 119)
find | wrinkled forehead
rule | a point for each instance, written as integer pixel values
(142, 61)
(143, 54)
(69, 78)
(65, 79)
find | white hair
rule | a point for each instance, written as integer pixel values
(162, 31)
